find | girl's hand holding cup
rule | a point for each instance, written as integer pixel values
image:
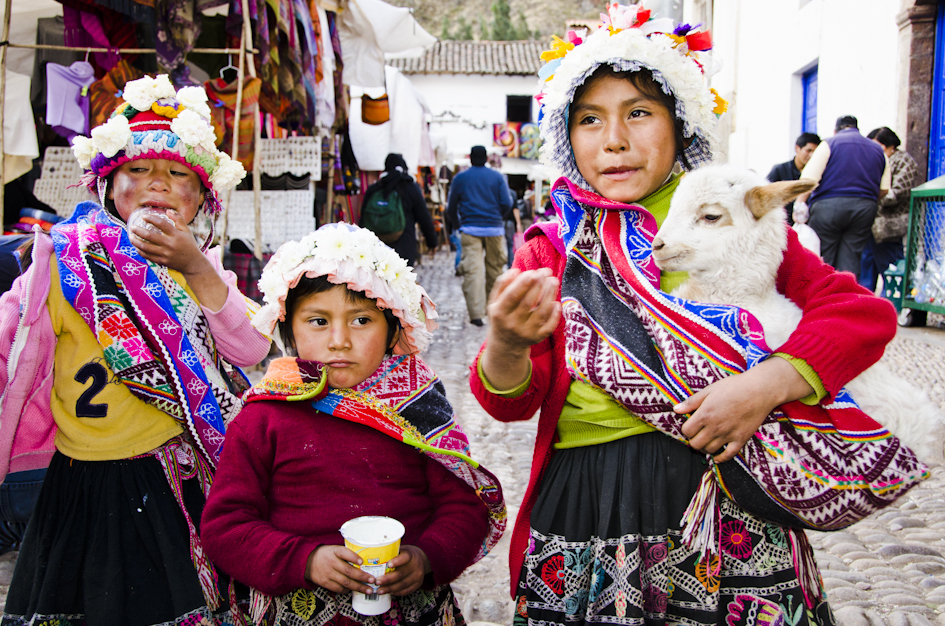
(411, 567)
(330, 567)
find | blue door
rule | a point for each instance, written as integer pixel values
(809, 113)
(937, 123)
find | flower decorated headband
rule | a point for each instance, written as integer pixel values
(157, 122)
(630, 39)
(355, 257)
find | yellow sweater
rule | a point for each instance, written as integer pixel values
(98, 417)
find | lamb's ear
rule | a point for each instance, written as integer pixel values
(761, 200)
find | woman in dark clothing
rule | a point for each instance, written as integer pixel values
(395, 178)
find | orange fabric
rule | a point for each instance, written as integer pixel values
(222, 96)
(104, 94)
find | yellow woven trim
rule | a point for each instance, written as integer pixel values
(511, 393)
(808, 373)
(293, 391)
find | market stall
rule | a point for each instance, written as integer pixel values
(274, 76)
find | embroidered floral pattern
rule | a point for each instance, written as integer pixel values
(626, 580)
(735, 539)
(552, 573)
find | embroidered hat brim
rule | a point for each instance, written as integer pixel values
(355, 257)
(679, 71)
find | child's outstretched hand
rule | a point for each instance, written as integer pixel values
(412, 566)
(330, 567)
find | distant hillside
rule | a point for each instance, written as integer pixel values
(545, 16)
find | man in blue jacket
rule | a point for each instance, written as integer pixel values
(852, 177)
(478, 201)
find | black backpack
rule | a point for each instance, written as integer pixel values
(384, 216)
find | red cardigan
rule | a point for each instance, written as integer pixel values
(290, 476)
(843, 331)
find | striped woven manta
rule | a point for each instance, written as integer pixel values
(819, 467)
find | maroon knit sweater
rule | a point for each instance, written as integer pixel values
(290, 476)
(844, 330)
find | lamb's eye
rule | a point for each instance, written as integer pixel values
(709, 217)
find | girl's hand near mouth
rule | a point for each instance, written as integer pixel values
(169, 242)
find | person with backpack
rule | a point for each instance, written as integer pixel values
(393, 206)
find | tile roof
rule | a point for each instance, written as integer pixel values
(476, 57)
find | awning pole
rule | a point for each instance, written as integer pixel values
(251, 65)
(3, 93)
(234, 153)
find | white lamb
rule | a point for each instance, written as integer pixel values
(726, 228)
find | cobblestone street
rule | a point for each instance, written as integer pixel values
(886, 570)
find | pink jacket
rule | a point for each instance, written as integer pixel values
(27, 429)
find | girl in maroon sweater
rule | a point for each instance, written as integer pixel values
(354, 424)
(580, 330)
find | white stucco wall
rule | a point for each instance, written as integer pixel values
(475, 100)
(764, 47)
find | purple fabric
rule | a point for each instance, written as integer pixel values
(854, 170)
(85, 30)
(67, 102)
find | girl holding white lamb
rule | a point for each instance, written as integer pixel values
(580, 330)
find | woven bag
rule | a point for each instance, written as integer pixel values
(375, 111)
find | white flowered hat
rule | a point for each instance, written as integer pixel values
(631, 39)
(157, 122)
(352, 256)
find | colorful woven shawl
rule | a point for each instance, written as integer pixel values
(155, 337)
(403, 399)
(820, 467)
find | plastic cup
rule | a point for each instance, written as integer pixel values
(376, 540)
(136, 218)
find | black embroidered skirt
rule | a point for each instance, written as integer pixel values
(320, 607)
(605, 547)
(108, 545)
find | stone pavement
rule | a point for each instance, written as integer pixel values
(887, 570)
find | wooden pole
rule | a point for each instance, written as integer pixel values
(234, 153)
(36, 46)
(248, 36)
(330, 192)
(3, 93)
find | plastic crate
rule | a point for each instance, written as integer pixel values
(893, 284)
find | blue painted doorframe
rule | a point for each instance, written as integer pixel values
(809, 113)
(937, 120)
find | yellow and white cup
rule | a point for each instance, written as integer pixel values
(376, 540)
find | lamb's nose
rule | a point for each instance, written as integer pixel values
(658, 244)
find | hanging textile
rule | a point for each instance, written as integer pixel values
(90, 26)
(105, 94)
(20, 146)
(222, 96)
(67, 106)
(341, 94)
(50, 31)
(309, 52)
(137, 10)
(325, 85)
